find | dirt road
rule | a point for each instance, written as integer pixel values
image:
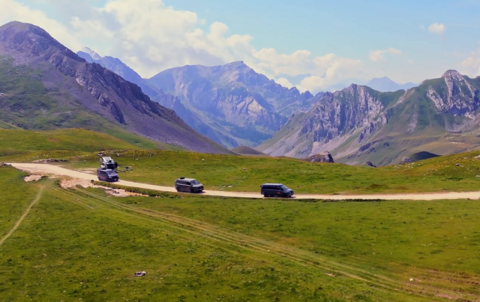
(59, 171)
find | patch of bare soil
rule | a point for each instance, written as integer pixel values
(34, 177)
(88, 170)
(84, 183)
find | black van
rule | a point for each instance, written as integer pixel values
(188, 185)
(107, 175)
(279, 190)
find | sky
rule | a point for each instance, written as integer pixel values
(310, 44)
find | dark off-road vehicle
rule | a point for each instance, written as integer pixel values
(107, 175)
(272, 189)
(190, 185)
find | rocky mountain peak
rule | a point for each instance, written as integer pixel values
(461, 98)
(31, 43)
(92, 53)
(451, 73)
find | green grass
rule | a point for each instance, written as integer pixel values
(23, 141)
(245, 173)
(81, 244)
(245, 150)
(432, 241)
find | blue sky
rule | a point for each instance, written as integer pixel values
(332, 41)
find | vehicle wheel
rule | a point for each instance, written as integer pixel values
(191, 190)
(178, 189)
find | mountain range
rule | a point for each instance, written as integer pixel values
(359, 124)
(44, 85)
(231, 103)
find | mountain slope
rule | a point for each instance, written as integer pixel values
(119, 68)
(231, 103)
(57, 89)
(360, 124)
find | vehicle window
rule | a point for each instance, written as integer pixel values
(284, 187)
(194, 182)
(188, 183)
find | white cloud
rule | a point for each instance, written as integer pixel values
(150, 37)
(14, 11)
(284, 82)
(379, 55)
(437, 28)
(471, 65)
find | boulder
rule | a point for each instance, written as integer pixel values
(324, 157)
(369, 163)
(406, 160)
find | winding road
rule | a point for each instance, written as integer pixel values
(47, 169)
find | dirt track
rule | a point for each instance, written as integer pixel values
(59, 171)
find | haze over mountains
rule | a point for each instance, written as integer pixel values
(385, 84)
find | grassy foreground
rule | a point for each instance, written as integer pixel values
(82, 244)
(245, 173)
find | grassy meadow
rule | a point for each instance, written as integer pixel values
(66, 245)
(82, 244)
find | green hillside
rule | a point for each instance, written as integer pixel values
(245, 150)
(28, 105)
(76, 140)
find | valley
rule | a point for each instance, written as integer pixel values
(386, 176)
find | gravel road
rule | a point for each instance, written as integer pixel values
(47, 169)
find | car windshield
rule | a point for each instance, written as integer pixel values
(111, 173)
(194, 182)
(284, 187)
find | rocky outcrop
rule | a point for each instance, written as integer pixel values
(370, 164)
(406, 160)
(97, 89)
(336, 114)
(461, 97)
(324, 157)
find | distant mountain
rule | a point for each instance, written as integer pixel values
(120, 68)
(359, 124)
(385, 84)
(44, 85)
(231, 104)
